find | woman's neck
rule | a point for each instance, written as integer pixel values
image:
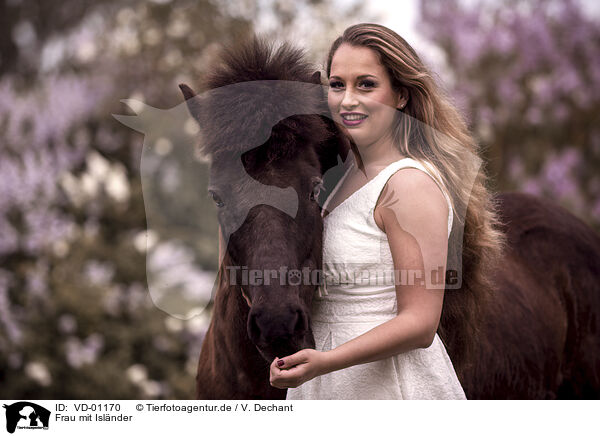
(378, 155)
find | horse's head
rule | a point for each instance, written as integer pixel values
(262, 127)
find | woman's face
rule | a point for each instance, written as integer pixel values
(360, 96)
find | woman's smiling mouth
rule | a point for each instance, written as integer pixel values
(352, 118)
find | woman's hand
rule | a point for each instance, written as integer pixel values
(298, 368)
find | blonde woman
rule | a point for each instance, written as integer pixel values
(406, 188)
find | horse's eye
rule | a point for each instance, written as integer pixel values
(216, 199)
(317, 187)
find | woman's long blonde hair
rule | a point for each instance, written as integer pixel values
(431, 130)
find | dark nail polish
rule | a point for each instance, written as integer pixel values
(280, 362)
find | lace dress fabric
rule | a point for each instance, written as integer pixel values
(358, 295)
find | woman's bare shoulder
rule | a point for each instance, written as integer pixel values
(411, 198)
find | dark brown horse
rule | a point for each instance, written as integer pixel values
(267, 164)
(539, 337)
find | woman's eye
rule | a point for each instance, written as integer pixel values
(216, 199)
(367, 84)
(363, 83)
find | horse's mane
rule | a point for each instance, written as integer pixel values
(234, 118)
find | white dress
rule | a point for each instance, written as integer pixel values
(356, 298)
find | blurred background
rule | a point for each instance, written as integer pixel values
(76, 318)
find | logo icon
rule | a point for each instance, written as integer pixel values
(26, 415)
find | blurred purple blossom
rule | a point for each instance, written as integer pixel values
(36, 127)
(67, 324)
(508, 92)
(137, 297)
(79, 353)
(35, 152)
(532, 186)
(534, 115)
(37, 278)
(99, 273)
(50, 111)
(43, 228)
(558, 178)
(119, 299)
(503, 42)
(531, 41)
(532, 68)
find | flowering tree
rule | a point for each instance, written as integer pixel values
(527, 76)
(76, 318)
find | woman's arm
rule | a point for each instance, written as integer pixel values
(413, 213)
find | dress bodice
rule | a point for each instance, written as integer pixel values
(356, 252)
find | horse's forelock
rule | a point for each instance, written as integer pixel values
(236, 118)
(258, 59)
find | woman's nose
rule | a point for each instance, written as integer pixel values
(349, 100)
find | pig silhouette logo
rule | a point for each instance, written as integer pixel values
(26, 415)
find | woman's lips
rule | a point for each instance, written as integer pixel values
(355, 119)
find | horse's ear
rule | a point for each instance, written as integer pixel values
(193, 103)
(316, 77)
(186, 91)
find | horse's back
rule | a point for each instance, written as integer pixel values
(541, 336)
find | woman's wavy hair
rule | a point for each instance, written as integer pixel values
(431, 130)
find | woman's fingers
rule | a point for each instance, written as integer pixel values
(291, 360)
(287, 374)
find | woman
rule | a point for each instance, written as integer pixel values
(413, 170)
